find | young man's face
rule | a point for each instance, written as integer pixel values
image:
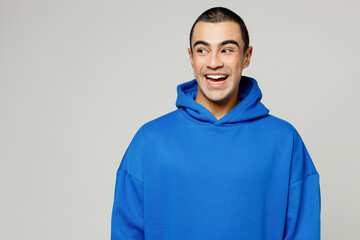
(218, 53)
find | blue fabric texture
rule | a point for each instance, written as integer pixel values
(187, 175)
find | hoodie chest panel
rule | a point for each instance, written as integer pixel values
(215, 157)
(200, 178)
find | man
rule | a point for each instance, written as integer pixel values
(219, 166)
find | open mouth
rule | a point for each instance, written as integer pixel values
(216, 78)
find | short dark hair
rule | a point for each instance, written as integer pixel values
(221, 14)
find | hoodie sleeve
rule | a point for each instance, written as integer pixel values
(127, 221)
(304, 200)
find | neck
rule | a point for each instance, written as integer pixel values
(217, 108)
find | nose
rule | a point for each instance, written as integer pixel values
(215, 61)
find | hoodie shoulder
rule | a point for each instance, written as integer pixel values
(280, 122)
(162, 122)
(302, 164)
(280, 126)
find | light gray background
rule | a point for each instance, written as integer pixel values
(78, 78)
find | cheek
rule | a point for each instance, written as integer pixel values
(198, 66)
(235, 63)
(199, 60)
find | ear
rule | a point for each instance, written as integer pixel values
(247, 57)
(191, 57)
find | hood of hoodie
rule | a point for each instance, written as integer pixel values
(248, 108)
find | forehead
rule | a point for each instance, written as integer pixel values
(214, 33)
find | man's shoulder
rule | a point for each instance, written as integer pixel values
(280, 126)
(161, 122)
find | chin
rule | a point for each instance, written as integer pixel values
(217, 99)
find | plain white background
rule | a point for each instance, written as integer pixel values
(78, 78)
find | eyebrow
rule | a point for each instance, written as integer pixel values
(230, 41)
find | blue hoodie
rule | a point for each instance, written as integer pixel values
(189, 176)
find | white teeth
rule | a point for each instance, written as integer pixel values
(216, 76)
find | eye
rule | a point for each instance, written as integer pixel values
(227, 50)
(201, 51)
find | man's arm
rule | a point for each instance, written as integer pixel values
(304, 198)
(303, 213)
(127, 221)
